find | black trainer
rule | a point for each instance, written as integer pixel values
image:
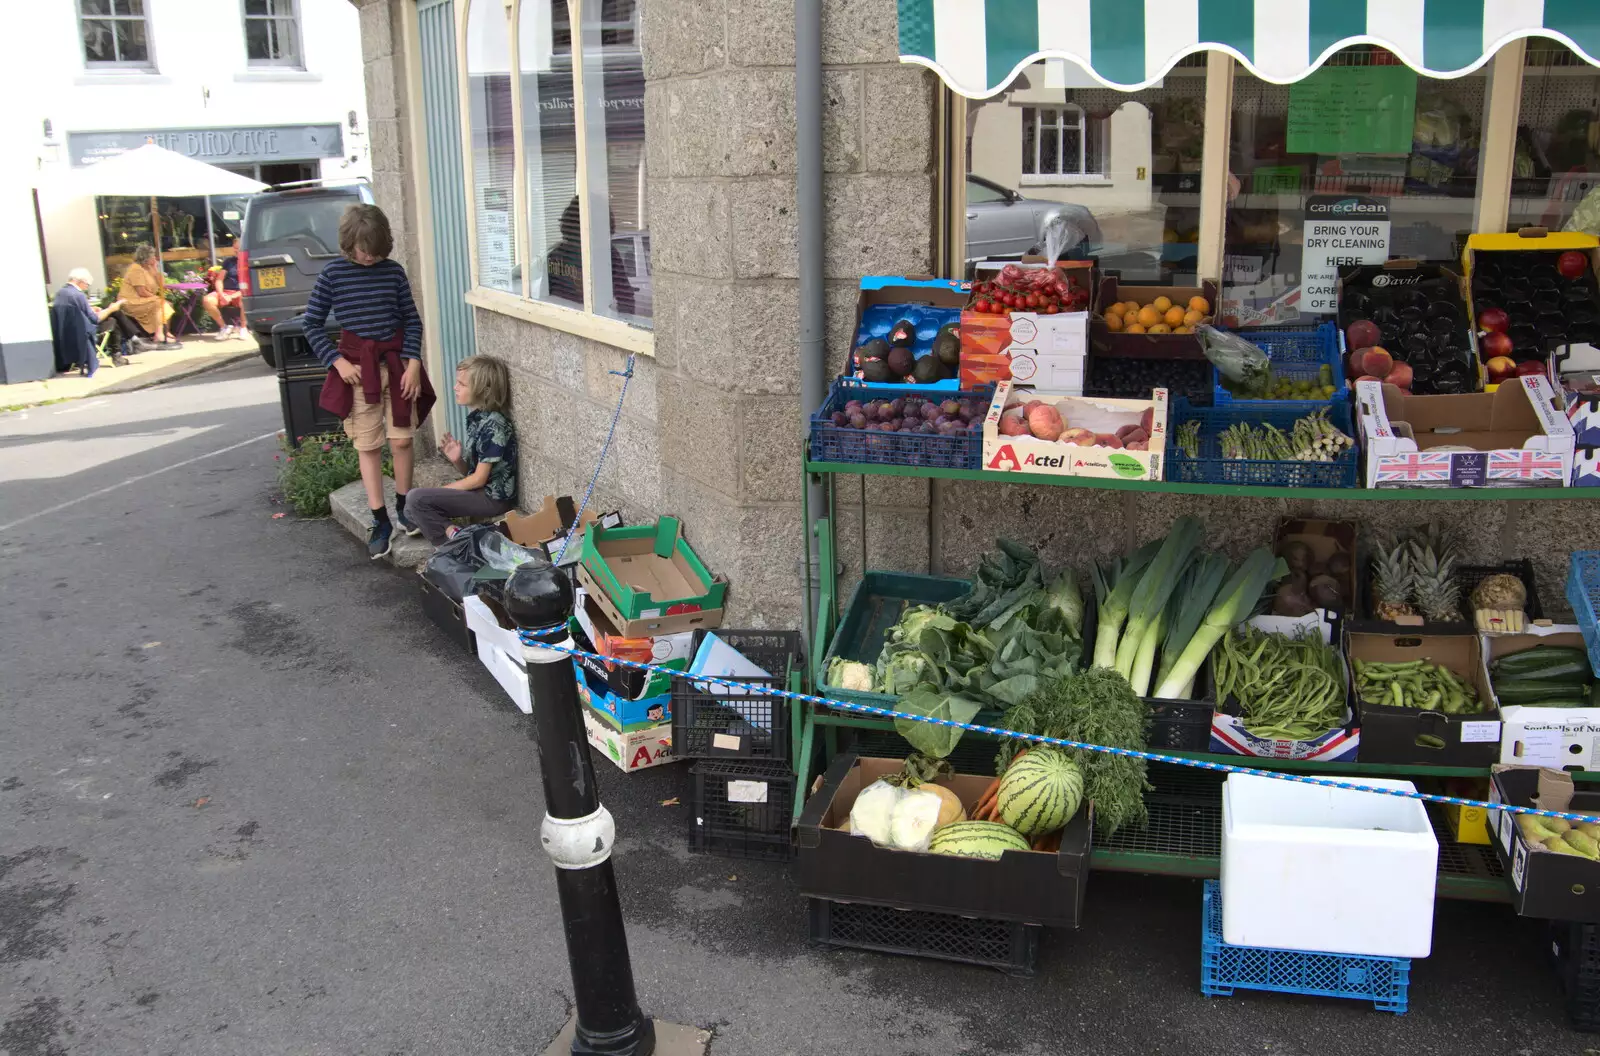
(407, 525)
(378, 537)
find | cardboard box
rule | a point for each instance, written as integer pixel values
(631, 750)
(1544, 245)
(1032, 887)
(625, 716)
(1518, 435)
(1325, 538)
(1030, 348)
(677, 623)
(1026, 454)
(499, 651)
(1393, 283)
(1558, 738)
(668, 650)
(549, 523)
(446, 613)
(1228, 733)
(883, 300)
(1544, 883)
(648, 572)
(1164, 346)
(1391, 734)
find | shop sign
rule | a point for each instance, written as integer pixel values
(217, 146)
(1340, 230)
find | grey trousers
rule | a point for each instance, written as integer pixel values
(432, 508)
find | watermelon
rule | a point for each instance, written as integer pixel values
(976, 839)
(1040, 792)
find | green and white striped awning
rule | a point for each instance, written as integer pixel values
(978, 46)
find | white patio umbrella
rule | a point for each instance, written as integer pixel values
(155, 172)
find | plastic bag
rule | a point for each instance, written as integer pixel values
(453, 566)
(900, 818)
(1236, 359)
(501, 553)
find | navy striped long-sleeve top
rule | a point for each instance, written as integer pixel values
(372, 300)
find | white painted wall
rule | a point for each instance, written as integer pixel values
(201, 80)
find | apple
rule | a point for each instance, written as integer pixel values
(1572, 264)
(1400, 374)
(1501, 368)
(1529, 367)
(1494, 344)
(1494, 319)
(1352, 366)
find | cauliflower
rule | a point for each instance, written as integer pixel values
(848, 674)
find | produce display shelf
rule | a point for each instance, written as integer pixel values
(1184, 838)
(1178, 487)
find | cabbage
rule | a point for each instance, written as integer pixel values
(873, 811)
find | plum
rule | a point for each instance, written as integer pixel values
(955, 407)
(858, 421)
(852, 407)
(898, 406)
(840, 418)
(931, 411)
(886, 412)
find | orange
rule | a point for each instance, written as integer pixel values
(1133, 328)
(1183, 330)
(1162, 304)
(1114, 321)
(1149, 315)
(1174, 317)
(1115, 309)
(1193, 317)
(1159, 328)
(1131, 306)
(1200, 304)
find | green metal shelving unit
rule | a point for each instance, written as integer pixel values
(1184, 835)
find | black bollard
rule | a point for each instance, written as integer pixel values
(577, 831)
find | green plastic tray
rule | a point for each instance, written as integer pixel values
(876, 605)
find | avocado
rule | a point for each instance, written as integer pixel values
(877, 348)
(903, 333)
(901, 361)
(928, 370)
(947, 344)
(876, 370)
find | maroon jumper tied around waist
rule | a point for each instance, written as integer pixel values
(338, 396)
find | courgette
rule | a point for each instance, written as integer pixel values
(1528, 690)
(1561, 662)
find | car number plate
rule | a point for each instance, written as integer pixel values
(270, 279)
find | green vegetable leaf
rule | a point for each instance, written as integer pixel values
(927, 738)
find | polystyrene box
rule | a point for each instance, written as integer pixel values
(1326, 870)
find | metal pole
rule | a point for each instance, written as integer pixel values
(808, 206)
(211, 232)
(577, 831)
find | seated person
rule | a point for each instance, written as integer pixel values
(224, 302)
(74, 323)
(143, 292)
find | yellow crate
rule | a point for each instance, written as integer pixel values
(1467, 824)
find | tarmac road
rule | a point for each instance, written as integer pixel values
(252, 803)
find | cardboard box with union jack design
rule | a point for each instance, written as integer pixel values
(1517, 436)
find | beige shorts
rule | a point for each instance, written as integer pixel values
(369, 423)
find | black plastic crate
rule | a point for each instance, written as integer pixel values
(1469, 576)
(1132, 378)
(833, 443)
(1179, 725)
(741, 809)
(1003, 944)
(1575, 952)
(739, 724)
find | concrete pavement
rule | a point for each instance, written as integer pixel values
(199, 354)
(252, 803)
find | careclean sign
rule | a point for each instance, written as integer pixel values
(1340, 230)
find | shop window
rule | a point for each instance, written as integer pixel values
(115, 33)
(1557, 163)
(579, 74)
(1118, 172)
(271, 33)
(494, 152)
(1061, 141)
(1367, 129)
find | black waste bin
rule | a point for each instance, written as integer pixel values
(300, 378)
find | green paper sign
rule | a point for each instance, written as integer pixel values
(1353, 110)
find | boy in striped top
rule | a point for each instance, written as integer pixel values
(379, 352)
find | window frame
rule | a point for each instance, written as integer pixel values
(585, 321)
(118, 65)
(1058, 124)
(293, 19)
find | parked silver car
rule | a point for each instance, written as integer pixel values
(1002, 223)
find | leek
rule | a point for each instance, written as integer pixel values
(1234, 603)
(1114, 588)
(1155, 587)
(1188, 606)
(1145, 658)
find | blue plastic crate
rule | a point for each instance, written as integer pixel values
(1224, 968)
(1583, 594)
(832, 443)
(879, 319)
(1212, 468)
(1297, 353)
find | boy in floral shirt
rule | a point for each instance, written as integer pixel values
(487, 460)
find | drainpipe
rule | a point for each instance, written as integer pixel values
(808, 202)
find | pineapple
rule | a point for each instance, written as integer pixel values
(1433, 570)
(1392, 581)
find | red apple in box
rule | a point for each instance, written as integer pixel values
(1572, 264)
(1363, 333)
(1494, 320)
(1530, 367)
(1494, 344)
(1501, 368)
